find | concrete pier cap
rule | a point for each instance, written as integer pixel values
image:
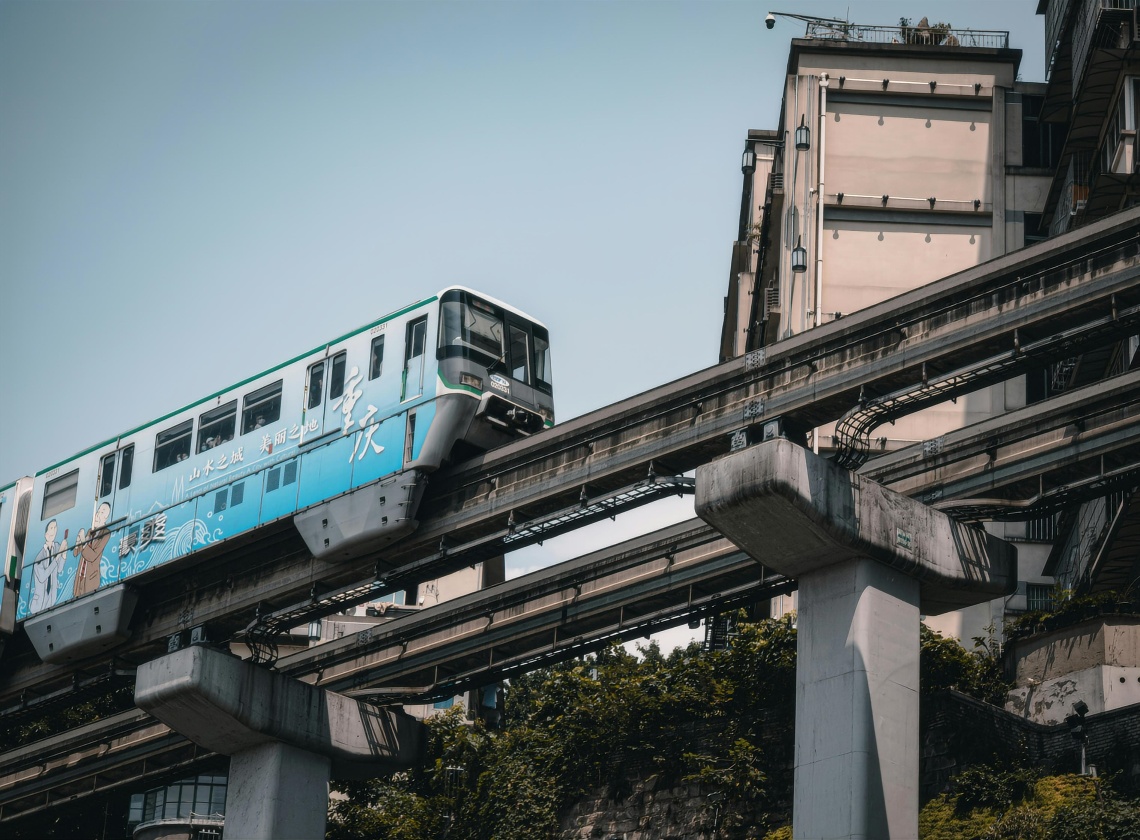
(229, 705)
(796, 512)
(868, 561)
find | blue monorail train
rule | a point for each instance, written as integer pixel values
(340, 439)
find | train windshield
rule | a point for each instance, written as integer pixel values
(472, 325)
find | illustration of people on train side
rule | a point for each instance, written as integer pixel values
(46, 569)
(89, 549)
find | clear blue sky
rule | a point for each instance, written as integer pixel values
(193, 192)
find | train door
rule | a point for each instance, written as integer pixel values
(415, 344)
(115, 472)
(324, 386)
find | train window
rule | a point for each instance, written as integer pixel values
(336, 375)
(520, 353)
(216, 426)
(126, 458)
(261, 408)
(107, 475)
(377, 357)
(415, 339)
(126, 465)
(172, 446)
(316, 385)
(417, 336)
(59, 494)
(543, 375)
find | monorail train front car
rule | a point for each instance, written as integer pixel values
(340, 439)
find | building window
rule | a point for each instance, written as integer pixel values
(201, 796)
(1041, 142)
(1035, 229)
(1039, 597)
(1041, 530)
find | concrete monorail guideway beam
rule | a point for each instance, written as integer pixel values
(673, 575)
(814, 378)
(1027, 460)
(868, 561)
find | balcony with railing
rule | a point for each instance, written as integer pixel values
(1056, 13)
(1100, 25)
(916, 34)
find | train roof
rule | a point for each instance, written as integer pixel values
(384, 318)
(495, 301)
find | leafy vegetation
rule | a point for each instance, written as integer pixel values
(1007, 804)
(944, 663)
(67, 717)
(723, 719)
(692, 716)
(1069, 609)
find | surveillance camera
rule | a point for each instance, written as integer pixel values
(770, 21)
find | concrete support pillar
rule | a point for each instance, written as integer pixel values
(286, 738)
(857, 703)
(867, 561)
(277, 791)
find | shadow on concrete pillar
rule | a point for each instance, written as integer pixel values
(868, 561)
(286, 738)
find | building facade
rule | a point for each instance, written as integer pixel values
(903, 154)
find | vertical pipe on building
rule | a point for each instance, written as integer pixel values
(808, 219)
(823, 79)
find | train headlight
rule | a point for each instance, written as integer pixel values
(472, 380)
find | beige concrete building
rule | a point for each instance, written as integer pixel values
(902, 154)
